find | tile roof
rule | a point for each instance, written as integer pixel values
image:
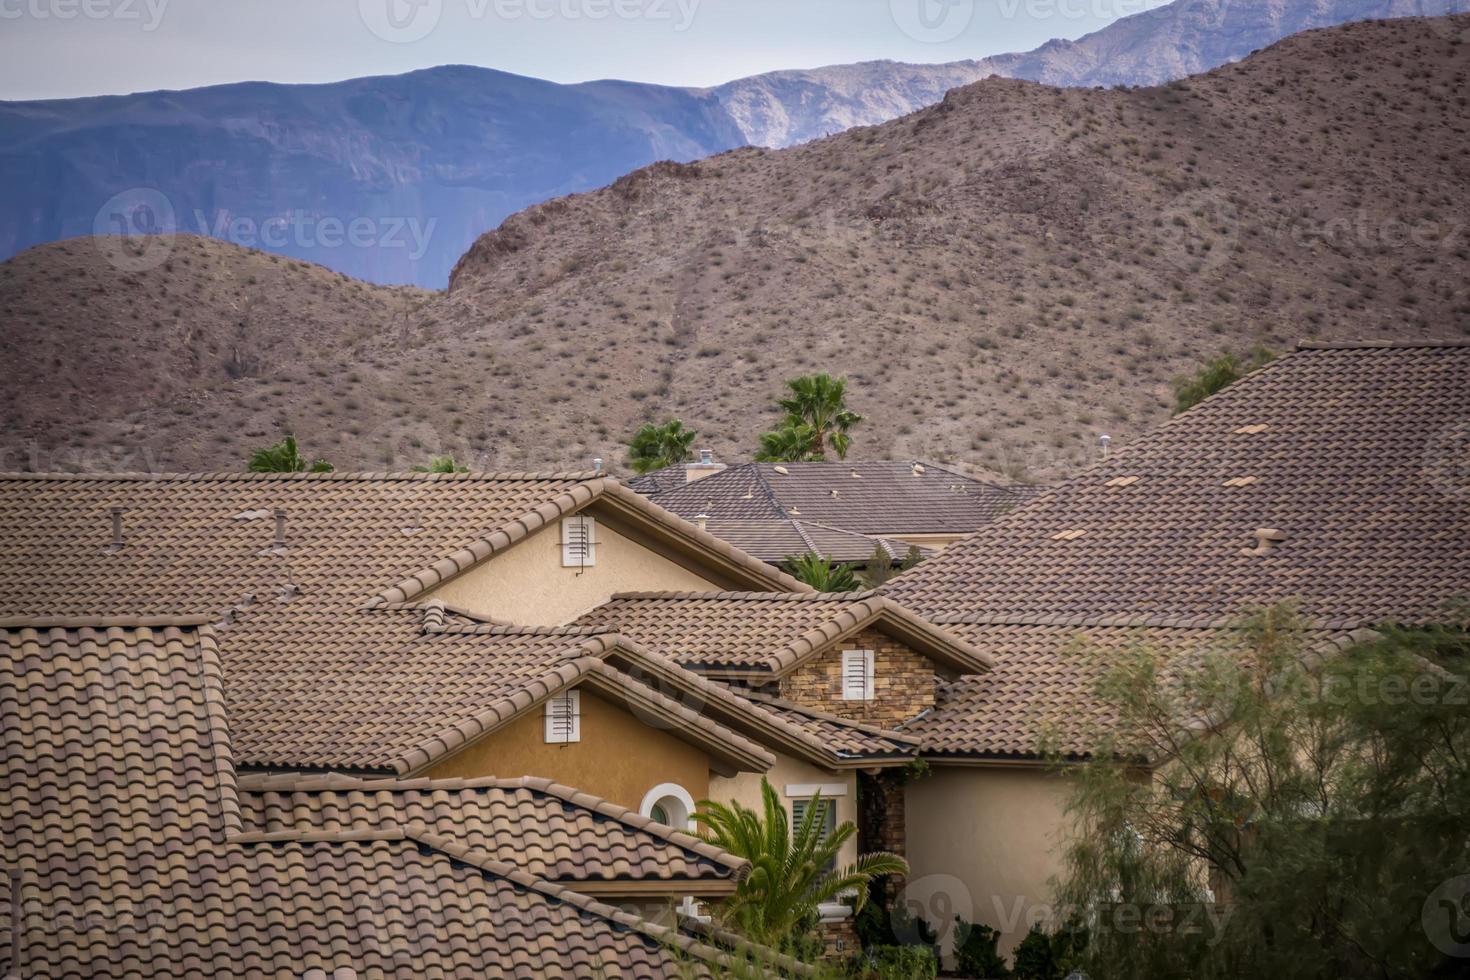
(776, 540)
(1356, 455)
(1043, 693)
(872, 498)
(766, 632)
(550, 831)
(324, 671)
(119, 824)
(848, 740)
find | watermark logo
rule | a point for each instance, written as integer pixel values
(406, 21)
(932, 21)
(939, 902)
(134, 230)
(400, 21)
(1446, 460)
(148, 14)
(1198, 230)
(1446, 917)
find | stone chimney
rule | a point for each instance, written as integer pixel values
(705, 467)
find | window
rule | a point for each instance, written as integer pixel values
(578, 542)
(564, 718)
(857, 675)
(670, 804)
(827, 818)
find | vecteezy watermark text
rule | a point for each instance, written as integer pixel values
(148, 13)
(300, 229)
(406, 21)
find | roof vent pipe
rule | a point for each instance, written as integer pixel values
(597, 465)
(280, 541)
(1104, 441)
(117, 530)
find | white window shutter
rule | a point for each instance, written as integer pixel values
(857, 675)
(578, 541)
(564, 718)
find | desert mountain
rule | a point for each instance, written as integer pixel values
(425, 162)
(1003, 276)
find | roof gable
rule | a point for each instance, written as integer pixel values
(119, 739)
(321, 677)
(767, 633)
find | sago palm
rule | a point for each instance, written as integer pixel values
(285, 457)
(820, 401)
(821, 573)
(792, 871)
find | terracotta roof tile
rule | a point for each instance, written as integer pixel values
(768, 632)
(1334, 477)
(119, 812)
(775, 540)
(324, 671)
(873, 498)
(1357, 456)
(549, 830)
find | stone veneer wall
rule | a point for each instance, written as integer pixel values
(903, 682)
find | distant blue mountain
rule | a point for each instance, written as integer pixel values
(390, 179)
(423, 162)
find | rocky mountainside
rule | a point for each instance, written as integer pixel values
(1003, 277)
(390, 179)
(1190, 36)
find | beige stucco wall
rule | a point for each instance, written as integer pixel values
(745, 788)
(619, 757)
(528, 586)
(990, 837)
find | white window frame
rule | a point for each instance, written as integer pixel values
(578, 541)
(857, 675)
(557, 731)
(673, 793)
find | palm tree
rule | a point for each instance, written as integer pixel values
(821, 573)
(655, 446)
(820, 401)
(792, 871)
(285, 457)
(442, 464)
(791, 443)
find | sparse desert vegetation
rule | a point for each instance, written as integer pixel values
(1001, 278)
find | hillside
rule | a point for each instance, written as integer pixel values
(112, 370)
(427, 161)
(1003, 276)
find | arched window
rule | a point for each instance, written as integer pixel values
(670, 804)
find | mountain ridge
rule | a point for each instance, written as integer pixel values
(1003, 277)
(452, 151)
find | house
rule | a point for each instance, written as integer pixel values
(839, 509)
(1335, 477)
(405, 639)
(133, 846)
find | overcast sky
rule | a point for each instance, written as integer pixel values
(63, 48)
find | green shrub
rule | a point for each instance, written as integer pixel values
(1216, 374)
(975, 953)
(900, 963)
